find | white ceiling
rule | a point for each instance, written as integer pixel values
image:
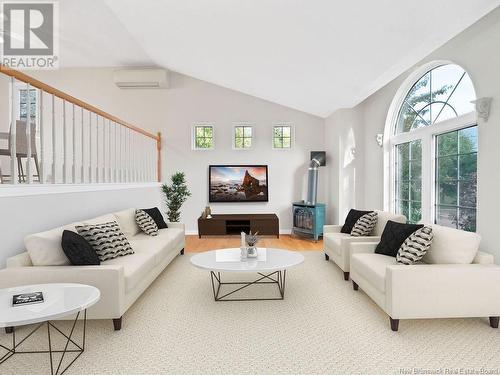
(312, 55)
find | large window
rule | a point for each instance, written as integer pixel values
(456, 179)
(409, 180)
(434, 150)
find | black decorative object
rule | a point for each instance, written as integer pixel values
(156, 216)
(393, 236)
(78, 250)
(27, 299)
(319, 156)
(351, 219)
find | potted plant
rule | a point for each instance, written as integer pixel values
(175, 195)
(252, 240)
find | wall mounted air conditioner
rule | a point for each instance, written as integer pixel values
(141, 78)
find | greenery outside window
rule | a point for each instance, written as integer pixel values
(456, 179)
(243, 135)
(409, 180)
(282, 136)
(203, 137)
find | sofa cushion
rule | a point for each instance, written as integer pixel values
(415, 247)
(135, 267)
(45, 248)
(146, 223)
(382, 218)
(78, 250)
(452, 246)
(127, 223)
(333, 241)
(107, 239)
(161, 246)
(157, 217)
(393, 236)
(365, 224)
(100, 219)
(351, 219)
(372, 267)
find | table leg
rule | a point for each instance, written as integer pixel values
(59, 370)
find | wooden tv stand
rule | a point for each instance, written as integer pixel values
(219, 225)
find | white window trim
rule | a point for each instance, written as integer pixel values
(292, 136)
(193, 136)
(427, 135)
(246, 124)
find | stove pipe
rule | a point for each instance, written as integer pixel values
(312, 182)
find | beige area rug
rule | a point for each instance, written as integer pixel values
(322, 327)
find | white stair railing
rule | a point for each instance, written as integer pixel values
(73, 142)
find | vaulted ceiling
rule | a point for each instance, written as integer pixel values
(312, 55)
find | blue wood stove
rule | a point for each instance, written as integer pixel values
(308, 220)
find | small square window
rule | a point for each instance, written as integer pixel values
(282, 136)
(243, 135)
(203, 137)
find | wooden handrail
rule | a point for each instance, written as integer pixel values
(71, 99)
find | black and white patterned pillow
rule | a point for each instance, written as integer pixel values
(415, 246)
(107, 239)
(146, 223)
(365, 225)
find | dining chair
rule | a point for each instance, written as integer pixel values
(22, 150)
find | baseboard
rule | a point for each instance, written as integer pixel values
(195, 232)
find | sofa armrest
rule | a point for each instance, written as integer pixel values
(442, 290)
(109, 279)
(331, 228)
(483, 258)
(176, 225)
(362, 247)
(19, 260)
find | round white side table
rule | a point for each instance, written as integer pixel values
(60, 300)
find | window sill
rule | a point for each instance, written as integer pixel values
(42, 189)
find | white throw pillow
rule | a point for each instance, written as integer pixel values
(127, 223)
(45, 248)
(452, 246)
(365, 224)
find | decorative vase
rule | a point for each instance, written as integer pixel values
(252, 252)
(244, 253)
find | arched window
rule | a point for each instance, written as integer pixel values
(433, 148)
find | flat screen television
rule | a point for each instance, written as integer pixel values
(238, 183)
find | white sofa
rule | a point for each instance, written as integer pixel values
(121, 280)
(455, 280)
(336, 244)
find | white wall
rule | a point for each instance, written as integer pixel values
(24, 215)
(188, 100)
(191, 100)
(476, 50)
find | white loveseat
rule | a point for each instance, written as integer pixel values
(121, 280)
(455, 280)
(336, 244)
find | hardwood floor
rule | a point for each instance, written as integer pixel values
(286, 241)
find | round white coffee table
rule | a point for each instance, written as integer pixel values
(270, 265)
(60, 300)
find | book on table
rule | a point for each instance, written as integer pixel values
(27, 299)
